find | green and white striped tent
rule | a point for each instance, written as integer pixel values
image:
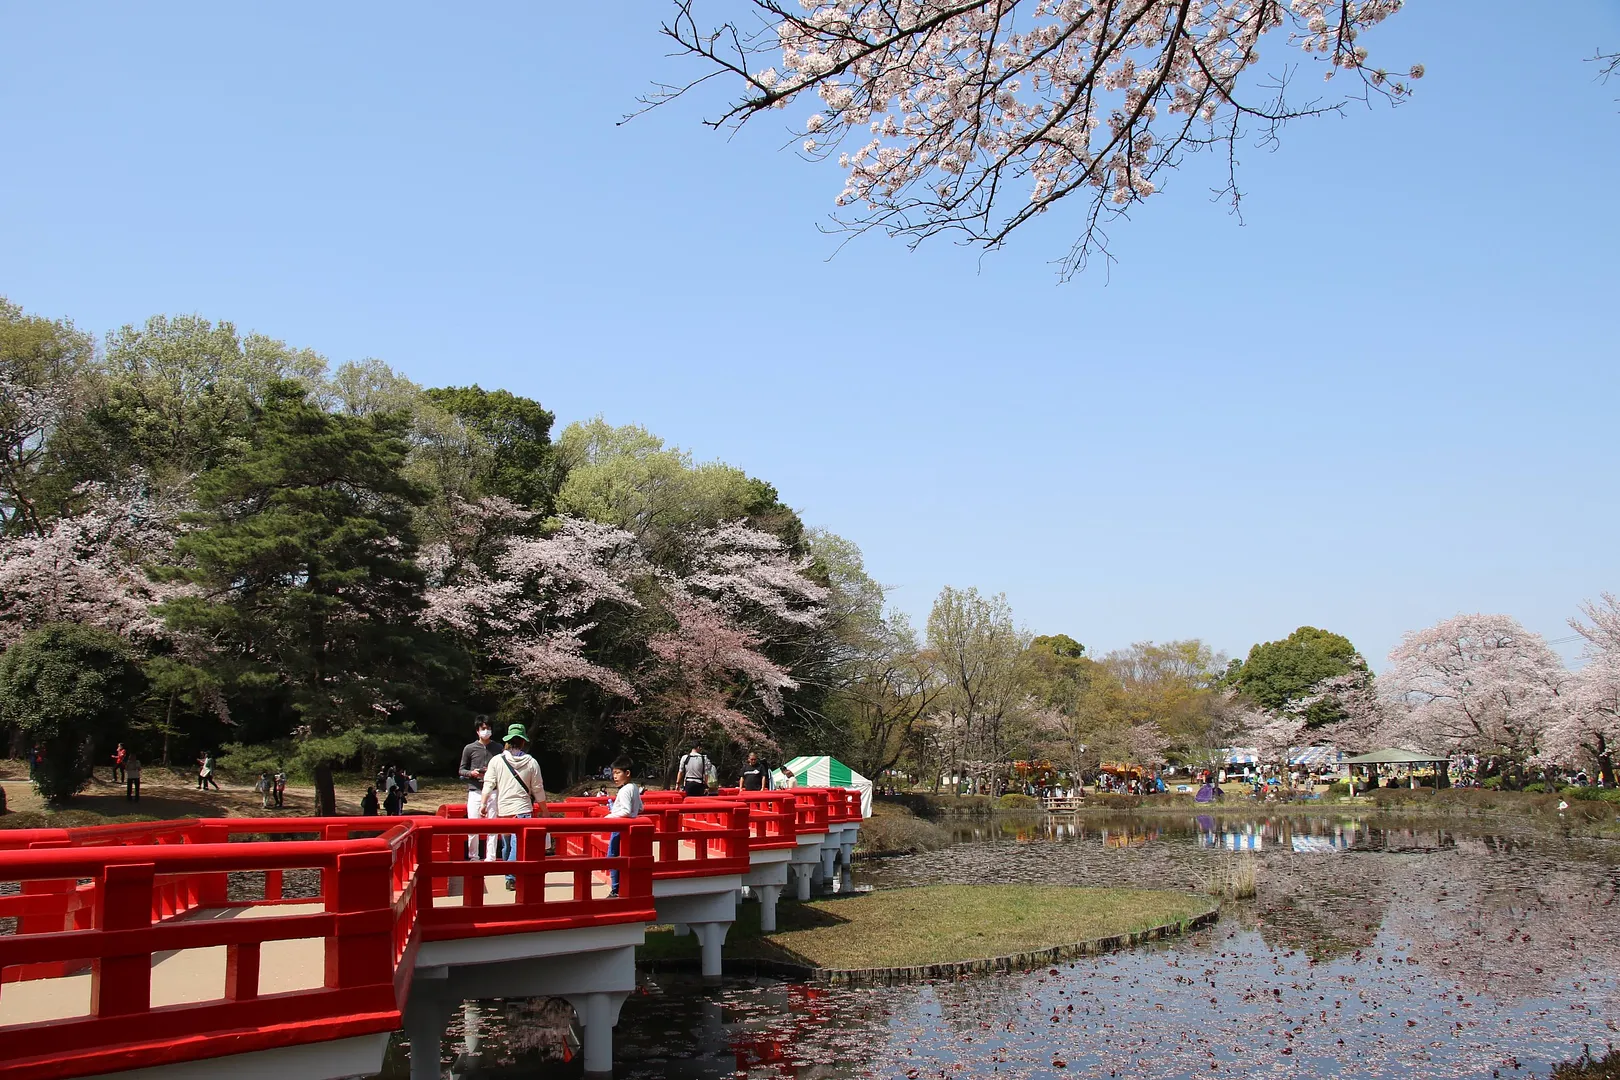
(824, 771)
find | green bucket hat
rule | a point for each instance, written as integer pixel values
(517, 731)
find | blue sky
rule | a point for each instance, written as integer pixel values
(1386, 397)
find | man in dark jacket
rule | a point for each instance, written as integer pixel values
(474, 761)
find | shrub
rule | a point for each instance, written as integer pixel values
(1594, 794)
(1234, 879)
(1339, 789)
(1018, 802)
(64, 685)
(1537, 788)
(1491, 783)
(1119, 802)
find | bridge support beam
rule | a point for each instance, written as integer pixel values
(802, 873)
(711, 936)
(846, 865)
(426, 1015)
(768, 895)
(598, 1015)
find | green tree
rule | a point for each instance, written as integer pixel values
(176, 397)
(41, 368)
(980, 657)
(305, 554)
(67, 686)
(515, 435)
(1277, 672)
(626, 476)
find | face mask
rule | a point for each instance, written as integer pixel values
(483, 733)
(516, 751)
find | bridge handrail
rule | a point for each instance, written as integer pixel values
(372, 923)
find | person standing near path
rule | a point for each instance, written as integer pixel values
(755, 776)
(626, 804)
(474, 761)
(368, 803)
(693, 772)
(513, 786)
(132, 778)
(280, 782)
(120, 755)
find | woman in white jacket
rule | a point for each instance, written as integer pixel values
(513, 788)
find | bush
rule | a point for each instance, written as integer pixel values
(1118, 802)
(1012, 801)
(1537, 788)
(1594, 794)
(64, 685)
(1491, 783)
(1339, 789)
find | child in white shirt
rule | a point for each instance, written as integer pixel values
(626, 804)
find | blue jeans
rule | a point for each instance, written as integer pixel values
(613, 851)
(506, 849)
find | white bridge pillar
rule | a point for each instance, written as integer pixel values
(768, 895)
(598, 1015)
(711, 936)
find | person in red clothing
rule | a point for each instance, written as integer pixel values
(120, 755)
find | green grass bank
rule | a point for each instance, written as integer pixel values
(974, 927)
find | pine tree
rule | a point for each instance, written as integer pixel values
(305, 556)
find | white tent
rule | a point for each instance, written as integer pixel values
(824, 771)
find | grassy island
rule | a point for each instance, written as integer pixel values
(984, 927)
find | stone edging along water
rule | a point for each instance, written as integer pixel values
(892, 976)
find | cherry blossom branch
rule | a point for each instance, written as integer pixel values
(977, 115)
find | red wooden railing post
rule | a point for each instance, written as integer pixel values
(242, 971)
(123, 984)
(359, 882)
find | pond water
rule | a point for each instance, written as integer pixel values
(1374, 947)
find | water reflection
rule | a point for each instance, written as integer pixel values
(1376, 946)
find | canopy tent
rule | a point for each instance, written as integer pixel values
(1310, 756)
(824, 771)
(1394, 757)
(1238, 755)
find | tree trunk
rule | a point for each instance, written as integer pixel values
(325, 792)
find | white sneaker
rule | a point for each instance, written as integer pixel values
(474, 858)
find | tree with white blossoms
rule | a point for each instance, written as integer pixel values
(89, 567)
(970, 117)
(531, 599)
(739, 592)
(1480, 684)
(1589, 729)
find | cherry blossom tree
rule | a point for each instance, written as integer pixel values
(970, 117)
(90, 567)
(1589, 729)
(753, 576)
(531, 598)
(706, 666)
(740, 593)
(1476, 683)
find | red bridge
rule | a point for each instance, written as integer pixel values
(184, 948)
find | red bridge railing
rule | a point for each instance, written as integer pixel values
(101, 902)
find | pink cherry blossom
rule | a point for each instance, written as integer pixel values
(973, 116)
(90, 567)
(532, 597)
(1476, 683)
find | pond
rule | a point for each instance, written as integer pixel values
(1375, 946)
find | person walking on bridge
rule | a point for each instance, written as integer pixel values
(694, 772)
(513, 787)
(474, 761)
